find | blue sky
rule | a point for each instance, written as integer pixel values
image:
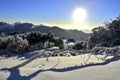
(58, 12)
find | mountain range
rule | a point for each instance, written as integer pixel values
(28, 27)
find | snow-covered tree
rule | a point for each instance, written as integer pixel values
(78, 46)
(105, 35)
(17, 44)
(37, 46)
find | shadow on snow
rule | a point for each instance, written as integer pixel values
(15, 73)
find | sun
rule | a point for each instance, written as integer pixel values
(79, 15)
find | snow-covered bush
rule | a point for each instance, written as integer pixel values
(78, 46)
(107, 51)
(105, 35)
(48, 44)
(4, 41)
(59, 42)
(31, 41)
(37, 46)
(1, 42)
(36, 37)
(17, 44)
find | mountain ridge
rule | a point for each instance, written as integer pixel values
(28, 27)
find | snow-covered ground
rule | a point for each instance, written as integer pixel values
(61, 68)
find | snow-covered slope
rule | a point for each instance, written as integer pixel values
(62, 68)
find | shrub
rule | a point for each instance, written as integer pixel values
(18, 44)
(105, 35)
(37, 46)
(78, 46)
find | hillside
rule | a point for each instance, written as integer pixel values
(28, 27)
(61, 68)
